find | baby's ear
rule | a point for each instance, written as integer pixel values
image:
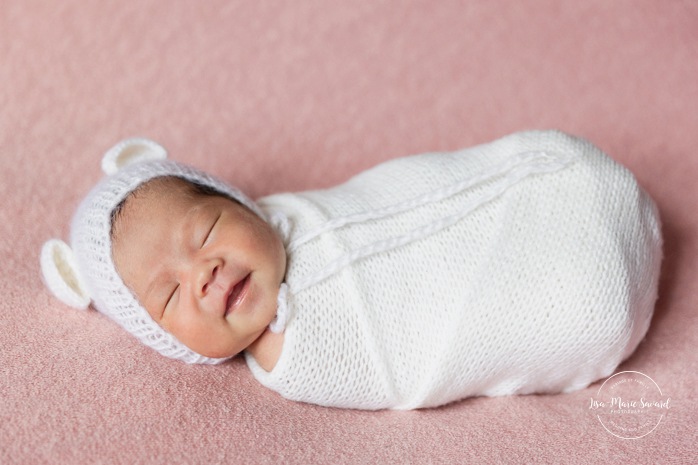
(61, 275)
(131, 151)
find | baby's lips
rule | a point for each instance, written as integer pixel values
(235, 294)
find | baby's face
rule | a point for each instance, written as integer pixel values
(206, 268)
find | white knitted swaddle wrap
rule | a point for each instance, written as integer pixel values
(526, 265)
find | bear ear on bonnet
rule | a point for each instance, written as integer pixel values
(58, 265)
(130, 151)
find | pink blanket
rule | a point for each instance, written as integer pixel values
(294, 95)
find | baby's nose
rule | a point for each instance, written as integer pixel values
(206, 279)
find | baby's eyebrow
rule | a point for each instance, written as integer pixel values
(191, 223)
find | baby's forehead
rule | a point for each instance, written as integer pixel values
(164, 185)
(172, 189)
(156, 193)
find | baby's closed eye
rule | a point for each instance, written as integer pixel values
(210, 230)
(170, 300)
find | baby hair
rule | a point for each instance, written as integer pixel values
(190, 187)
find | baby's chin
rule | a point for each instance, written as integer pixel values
(217, 352)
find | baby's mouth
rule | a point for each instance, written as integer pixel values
(237, 294)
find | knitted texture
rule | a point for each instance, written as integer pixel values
(91, 243)
(527, 265)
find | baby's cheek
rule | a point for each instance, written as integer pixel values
(186, 329)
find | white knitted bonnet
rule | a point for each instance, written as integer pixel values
(85, 273)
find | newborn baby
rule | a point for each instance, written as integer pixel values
(526, 265)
